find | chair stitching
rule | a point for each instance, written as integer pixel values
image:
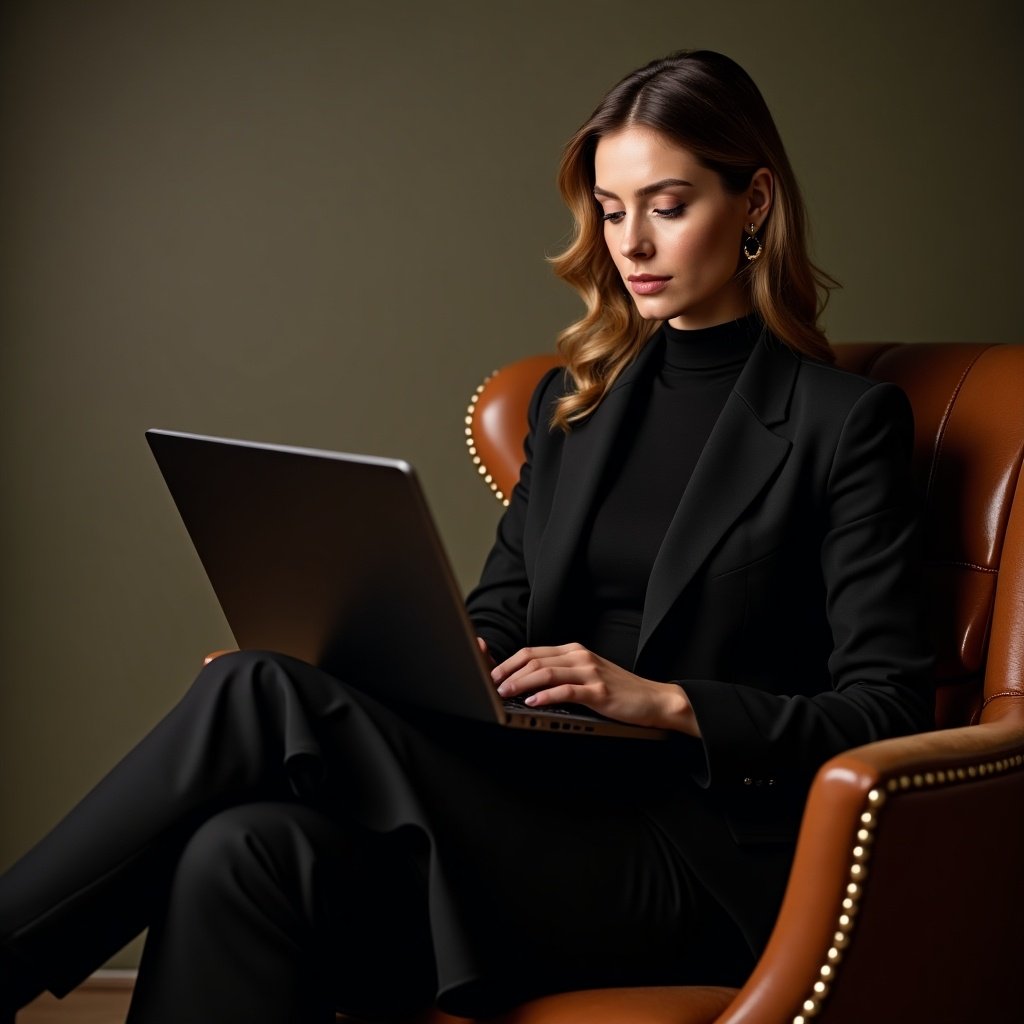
(963, 565)
(1001, 693)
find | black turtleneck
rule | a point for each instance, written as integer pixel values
(672, 412)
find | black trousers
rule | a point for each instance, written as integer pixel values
(295, 848)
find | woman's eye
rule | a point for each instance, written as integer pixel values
(673, 212)
(614, 217)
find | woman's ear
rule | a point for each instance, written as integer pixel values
(759, 195)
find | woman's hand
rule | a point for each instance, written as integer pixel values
(570, 674)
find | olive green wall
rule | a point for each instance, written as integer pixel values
(322, 223)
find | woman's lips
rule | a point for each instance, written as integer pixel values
(647, 284)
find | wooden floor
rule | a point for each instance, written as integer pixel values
(103, 999)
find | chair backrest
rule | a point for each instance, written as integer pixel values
(968, 402)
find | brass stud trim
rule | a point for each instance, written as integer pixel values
(481, 468)
(860, 852)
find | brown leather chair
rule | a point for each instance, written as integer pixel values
(907, 889)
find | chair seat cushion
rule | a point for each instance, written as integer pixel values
(689, 1004)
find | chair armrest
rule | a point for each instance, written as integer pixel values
(883, 826)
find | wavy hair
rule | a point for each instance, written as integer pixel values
(707, 104)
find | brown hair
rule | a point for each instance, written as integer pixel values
(709, 105)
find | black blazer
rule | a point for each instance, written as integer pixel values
(784, 598)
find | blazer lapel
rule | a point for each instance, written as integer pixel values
(584, 455)
(740, 458)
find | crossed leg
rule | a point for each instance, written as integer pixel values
(277, 913)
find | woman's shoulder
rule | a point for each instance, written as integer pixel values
(852, 419)
(815, 402)
(836, 391)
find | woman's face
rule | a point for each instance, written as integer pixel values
(673, 230)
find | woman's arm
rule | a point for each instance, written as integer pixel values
(879, 665)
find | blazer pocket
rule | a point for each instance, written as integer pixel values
(718, 572)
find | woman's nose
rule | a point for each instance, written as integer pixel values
(635, 244)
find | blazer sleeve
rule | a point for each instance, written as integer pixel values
(879, 665)
(498, 604)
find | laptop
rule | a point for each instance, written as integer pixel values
(335, 559)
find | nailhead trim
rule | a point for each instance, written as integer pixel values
(471, 442)
(858, 871)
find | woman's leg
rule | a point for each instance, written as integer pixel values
(277, 913)
(246, 730)
(541, 854)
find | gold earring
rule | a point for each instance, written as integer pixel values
(750, 241)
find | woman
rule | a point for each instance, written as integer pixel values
(712, 534)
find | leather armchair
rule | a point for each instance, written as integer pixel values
(907, 888)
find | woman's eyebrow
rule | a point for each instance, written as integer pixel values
(647, 190)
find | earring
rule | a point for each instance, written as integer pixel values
(750, 242)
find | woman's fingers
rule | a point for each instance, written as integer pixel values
(532, 668)
(541, 678)
(564, 693)
(525, 655)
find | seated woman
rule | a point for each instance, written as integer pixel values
(713, 534)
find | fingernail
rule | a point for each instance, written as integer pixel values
(531, 700)
(503, 689)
